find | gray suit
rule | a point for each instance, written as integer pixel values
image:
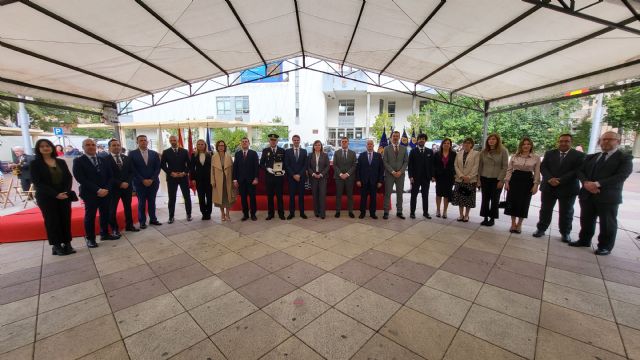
(394, 161)
(342, 165)
(319, 186)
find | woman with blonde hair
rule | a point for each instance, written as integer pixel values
(521, 182)
(318, 169)
(222, 180)
(464, 190)
(200, 174)
(494, 159)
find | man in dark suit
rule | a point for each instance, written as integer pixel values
(602, 175)
(559, 183)
(175, 163)
(94, 176)
(420, 175)
(369, 177)
(395, 160)
(21, 163)
(344, 173)
(274, 156)
(245, 178)
(146, 169)
(296, 162)
(121, 184)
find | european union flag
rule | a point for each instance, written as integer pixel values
(413, 141)
(404, 139)
(383, 141)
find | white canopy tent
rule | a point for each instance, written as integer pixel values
(504, 52)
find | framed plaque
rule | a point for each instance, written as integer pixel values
(277, 168)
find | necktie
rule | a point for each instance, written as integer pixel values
(370, 158)
(119, 161)
(395, 148)
(344, 152)
(95, 162)
(599, 164)
(562, 155)
(421, 150)
(296, 151)
(175, 150)
(244, 155)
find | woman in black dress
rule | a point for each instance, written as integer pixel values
(201, 178)
(52, 180)
(445, 173)
(521, 182)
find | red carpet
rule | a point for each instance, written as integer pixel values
(28, 225)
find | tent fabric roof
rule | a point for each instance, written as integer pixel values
(118, 50)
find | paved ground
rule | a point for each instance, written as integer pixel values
(335, 289)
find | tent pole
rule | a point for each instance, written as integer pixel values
(485, 124)
(23, 118)
(595, 124)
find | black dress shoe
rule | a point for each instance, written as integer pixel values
(337, 215)
(117, 234)
(361, 216)
(579, 244)
(206, 217)
(374, 217)
(602, 252)
(566, 238)
(385, 216)
(68, 248)
(412, 215)
(282, 217)
(484, 223)
(132, 229)
(58, 250)
(91, 243)
(189, 218)
(254, 218)
(352, 215)
(244, 218)
(108, 237)
(305, 216)
(269, 217)
(155, 222)
(538, 233)
(491, 222)
(291, 216)
(143, 226)
(171, 220)
(427, 215)
(322, 217)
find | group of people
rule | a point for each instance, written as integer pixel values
(219, 177)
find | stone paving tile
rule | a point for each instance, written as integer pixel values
(221, 312)
(576, 281)
(330, 288)
(251, 338)
(70, 294)
(412, 270)
(508, 302)
(276, 261)
(379, 347)
(439, 305)
(136, 293)
(243, 274)
(515, 282)
(20, 276)
(327, 260)
(471, 269)
(377, 259)
(295, 310)
(145, 314)
(392, 286)
(356, 272)
(521, 267)
(116, 350)
(407, 328)
(201, 291)
(66, 317)
(54, 282)
(586, 328)
(465, 346)
(202, 350)
(300, 273)
(18, 310)
(368, 308)
(21, 353)
(574, 265)
(17, 334)
(578, 300)
(552, 346)
(453, 284)
(95, 335)
(621, 276)
(165, 339)
(185, 276)
(631, 339)
(623, 292)
(224, 262)
(626, 314)
(265, 290)
(620, 263)
(302, 250)
(20, 291)
(426, 257)
(335, 335)
(126, 277)
(171, 263)
(505, 331)
(292, 348)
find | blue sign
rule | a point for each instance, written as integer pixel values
(258, 74)
(57, 131)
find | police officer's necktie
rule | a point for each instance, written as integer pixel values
(118, 161)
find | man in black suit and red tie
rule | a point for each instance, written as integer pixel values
(245, 178)
(369, 178)
(420, 175)
(121, 185)
(176, 164)
(602, 175)
(296, 162)
(559, 183)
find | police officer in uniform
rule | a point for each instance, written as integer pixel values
(272, 161)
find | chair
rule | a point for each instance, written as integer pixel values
(5, 194)
(25, 196)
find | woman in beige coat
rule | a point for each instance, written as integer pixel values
(222, 180)
(464, 190)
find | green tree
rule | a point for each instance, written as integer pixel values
(383, 121)
(281, 130)
(447, 121)
(623, 112)
(94, 133)
(230, 137)
(583, 134)
(417, 123)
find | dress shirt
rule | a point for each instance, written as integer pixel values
(520, 162)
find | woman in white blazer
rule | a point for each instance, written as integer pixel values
(464, 190)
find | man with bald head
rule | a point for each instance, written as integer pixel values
(175, 163)
(602, 176)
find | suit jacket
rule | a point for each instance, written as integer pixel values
(370, 174)
(142, 171)
(393, 162)
(125, 174)
(468, 168)
(25, 172)
(566, 171)
(439, 170)
(342, 166)
(611, 176)
(91, 178)
(41, 177)
(323, 164)
(201, 173)
(268, 157)
(296, 167)
(245, 169)
(172, 161)
(421, 164)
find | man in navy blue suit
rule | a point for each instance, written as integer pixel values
(94, 176)
(295, 160)
(369, 177)
(175, 163)
(146, 169)
(245, 178)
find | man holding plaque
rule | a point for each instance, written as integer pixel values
(272, 161)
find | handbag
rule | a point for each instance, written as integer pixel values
(73, 197)
(503, 200)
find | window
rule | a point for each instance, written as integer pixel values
(242, 105)
(381, 107)
(346, 107)
(336, 134)
(223, 104)
(391, 108)
(230, 105)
